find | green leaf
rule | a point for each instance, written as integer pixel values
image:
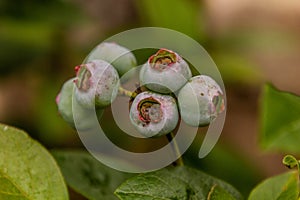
(281, 187)
(176, 183)
(280, 125)
(27, 170)
(87, 176)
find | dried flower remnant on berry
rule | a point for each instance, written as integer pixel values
(150, 110)
(83, 80)
(162, 59)
(165, 72)
(97, 84)
(154, 114)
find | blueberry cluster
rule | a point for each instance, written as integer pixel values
(171, 91)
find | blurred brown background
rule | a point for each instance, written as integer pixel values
(252, 42)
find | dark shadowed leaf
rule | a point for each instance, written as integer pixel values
(87, 176)
(176, 183)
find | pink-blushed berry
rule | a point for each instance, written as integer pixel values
(118, 56)
(200, 101)
(97, 84)
(165, 72)
(154, 114)
(64, 101)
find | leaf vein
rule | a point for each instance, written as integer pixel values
(9, 179)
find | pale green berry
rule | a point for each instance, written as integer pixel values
(118, 56)
(165, 72)
(153, 114)
(64, 104)
(200, 101)
(97, 84)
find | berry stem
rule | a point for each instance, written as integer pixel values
(179, 161)
(127, 93)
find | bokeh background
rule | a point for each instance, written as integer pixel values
(251, 41)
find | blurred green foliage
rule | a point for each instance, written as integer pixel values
(183, 16)
(34, 40)
(30, 31)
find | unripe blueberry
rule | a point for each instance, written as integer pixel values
(118, 56)
(154, 114)
(165, 72)
(97, 84)
(200, 101)
(64, 104)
